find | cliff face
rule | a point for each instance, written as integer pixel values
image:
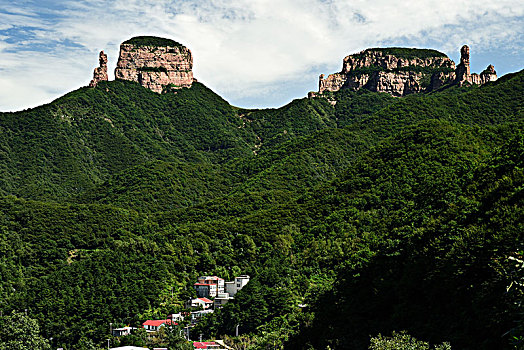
(400, 71)
(155, 63)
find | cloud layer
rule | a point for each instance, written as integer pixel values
(255, 53)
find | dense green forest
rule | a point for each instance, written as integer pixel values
(356, 214)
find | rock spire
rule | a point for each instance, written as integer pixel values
(100, 73)
(463, 74)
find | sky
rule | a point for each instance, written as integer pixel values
(254, 53)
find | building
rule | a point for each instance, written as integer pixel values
(222, 299)
(121, 332)
(209, 286)
(234, 286)
(199, 303)
(155, 325)
(176, 317)
(207, 345)
(197, 315)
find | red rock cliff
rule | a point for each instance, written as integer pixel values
(155, 63)
(402, 71)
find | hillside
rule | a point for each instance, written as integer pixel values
(354, 212)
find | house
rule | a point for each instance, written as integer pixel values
(234, 286)
(176, 317)
(128, 347)
(155, 325)
(209, 286)
(222, 299)
(120, 332)
(199, 303)
(197, 315)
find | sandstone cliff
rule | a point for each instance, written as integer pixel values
(100, 73)
(402, 71)
(155, 63)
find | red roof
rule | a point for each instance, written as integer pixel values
(156, 323)
(205, 300)
(203, 344)
(204, 284)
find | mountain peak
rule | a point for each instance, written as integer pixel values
(158, 64)
(402, 71)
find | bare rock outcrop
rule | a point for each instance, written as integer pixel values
(155, 63)
(100, 73)
(463, 73)
(402, 71)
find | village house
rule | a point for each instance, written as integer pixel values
(199, 303)
(197, 315)
(207, 345)
(222, 299)
(176, 317)
(215, 287)
(209, 286)
(155, 325)
(233, 287)
(120, 332)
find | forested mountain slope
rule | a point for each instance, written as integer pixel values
(373, 214)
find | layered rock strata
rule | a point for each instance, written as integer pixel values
(400, 71)
(155, 63)
(100, 73)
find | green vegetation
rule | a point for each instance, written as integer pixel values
(152, 41)
(361, 218)
(18, 331)
(408, 53)
(403, 341)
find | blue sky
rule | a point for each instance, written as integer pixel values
(254, 53)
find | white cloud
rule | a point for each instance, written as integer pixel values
(250, 50)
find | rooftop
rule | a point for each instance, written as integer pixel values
(156, 323)
(204, 344)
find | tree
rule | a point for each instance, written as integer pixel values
(403, 340)
(21, 332)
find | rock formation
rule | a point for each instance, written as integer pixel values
(463, 74)
(155, 63)
(402, 71)
(100, 73)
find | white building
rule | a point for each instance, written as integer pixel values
(203, 303)
(197, 315)
(233, 287)
(222, 299)
(176, 317)
(120, 332)
(154, 325)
